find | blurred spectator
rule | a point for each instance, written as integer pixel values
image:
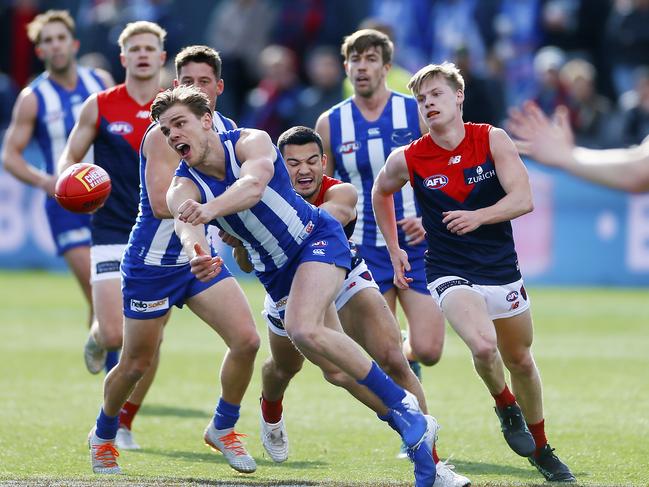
(628, 40)
(229, 32)
(635, 116)
(272, 105)
(398, 76)
(591, 111)
(325, 77)
(299, 24)
(550, 91)
(484, 95)
(518, 36)
(8, 93)
(18, 59)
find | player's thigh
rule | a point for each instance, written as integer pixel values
(78, 260)
(142, 337)
(425, 318)
(515, 335)
(367, 319)
(313, 290)
(107, 304)
(225, 308)
(466, 312)
(283, 352)
(390, 297)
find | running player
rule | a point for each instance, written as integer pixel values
(47, 110)
(470, 182)
(362, 310)
(295, 248)
(115, 121)
(154, 253)
(358, 135)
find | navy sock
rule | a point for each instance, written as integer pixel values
(226, 415)
(106, 426)
(385, 388)
(112, 357)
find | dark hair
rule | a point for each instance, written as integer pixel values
(199, 54)
(299, 135)
(190, 96)
(361, 40)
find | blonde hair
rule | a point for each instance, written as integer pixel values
(190, 96)
(446, 70)
(141, 27)
(361, 40)
(35, 27)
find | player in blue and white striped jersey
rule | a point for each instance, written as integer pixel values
(238, 181)
(359, 133)
(156, 276)
(47, 110)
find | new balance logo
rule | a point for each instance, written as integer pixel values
(142, 114)
(454, 160)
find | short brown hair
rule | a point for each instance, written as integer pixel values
(361, 40)
(199, 54)
(35, 27)
(141, 27)
(446, 70)
(190, 96)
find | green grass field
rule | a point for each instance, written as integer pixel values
(592, 346)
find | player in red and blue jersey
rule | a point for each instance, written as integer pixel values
(470, 182)
(115, 121)
(47, 110)
(358, 134)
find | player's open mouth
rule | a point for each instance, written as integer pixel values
(183, 149)
(143, 65)
(432, 113)
(304, 181)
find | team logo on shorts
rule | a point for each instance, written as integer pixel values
(366, 275)
(514, 306)
(149, 306)
(524, 293)
(437, 181)
(513, 296)
(320, 243)
(318, 252)
(120, 128)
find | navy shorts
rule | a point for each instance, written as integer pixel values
(327, 243)
(378, 260)
(68, 229)
(150, 291)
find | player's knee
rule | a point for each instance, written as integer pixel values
(247, 344)
(427, 354)
(521, 363)
(305, 338)
(484, 352)
(133, 368)
(111, 339)
(281, 370)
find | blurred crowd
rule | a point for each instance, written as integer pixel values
(282, 66)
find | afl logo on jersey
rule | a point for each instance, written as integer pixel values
(120, 128)
(349, 147)
(438, 181)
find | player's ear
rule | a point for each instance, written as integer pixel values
(39, 52)
(176, 83)
(75, 45)
(220, 86)
(206, 120)
(324, 161)
(460, 97)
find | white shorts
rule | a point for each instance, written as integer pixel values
(502, 301)
(105, 261)
(359, 278)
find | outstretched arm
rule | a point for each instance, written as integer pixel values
(391, 179)
(82, 136)
(552, 143)
(340, 202)
(322, 127)
(16, 139)
(203, 265)
(258, 154)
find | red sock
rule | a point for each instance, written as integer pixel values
(435, 455)
(504, 399)
(538, 433)
(127, 413)
(271, 410)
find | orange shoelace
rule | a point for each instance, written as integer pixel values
(232, 443)
(106, 454)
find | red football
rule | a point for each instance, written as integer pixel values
(82, 188)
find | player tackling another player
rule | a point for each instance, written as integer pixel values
(470, 182)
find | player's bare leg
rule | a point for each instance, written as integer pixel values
(78, 260)
(106, 331)
(425, 326)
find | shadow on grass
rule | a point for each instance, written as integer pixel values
(159, 410)
(481, 468)
(195, 456)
